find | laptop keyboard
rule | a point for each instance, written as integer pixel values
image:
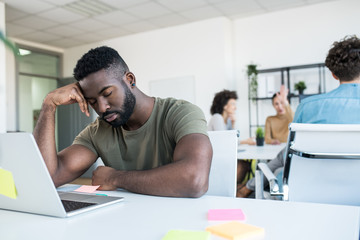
(72, 205)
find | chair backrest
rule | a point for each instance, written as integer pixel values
(323, 164)
(222, 179)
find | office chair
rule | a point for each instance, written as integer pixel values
(222, 178)
(322, 164)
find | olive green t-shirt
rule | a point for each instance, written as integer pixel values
(151, 145)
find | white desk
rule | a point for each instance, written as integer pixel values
(149, 218)
(267, 151)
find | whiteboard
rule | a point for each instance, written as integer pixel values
(179, 88)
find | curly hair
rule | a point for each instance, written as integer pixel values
(343, 58)
(99, 58)
(220, 100)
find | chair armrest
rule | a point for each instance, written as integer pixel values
(273, 183)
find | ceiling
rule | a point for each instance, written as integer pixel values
(69, 23)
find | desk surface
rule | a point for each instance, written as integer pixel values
(267, 151)
(148, 217)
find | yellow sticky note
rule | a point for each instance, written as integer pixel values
(237, 231)
(186, 235)
(7, 185)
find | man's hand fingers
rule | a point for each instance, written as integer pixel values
(79, 97)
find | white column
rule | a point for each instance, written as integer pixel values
(2, 73)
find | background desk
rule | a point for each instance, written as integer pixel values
(141, 217)
(267, 151)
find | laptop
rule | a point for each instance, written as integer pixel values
(36, 192)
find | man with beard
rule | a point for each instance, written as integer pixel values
(148, 145)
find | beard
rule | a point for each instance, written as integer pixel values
(125, 112)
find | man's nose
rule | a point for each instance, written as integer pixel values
(103, 105)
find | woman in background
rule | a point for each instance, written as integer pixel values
(223, 111)
(223, 118)
(276, 127)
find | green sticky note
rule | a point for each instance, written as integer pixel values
(188, 235)
(7, 185)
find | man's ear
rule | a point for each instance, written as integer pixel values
(334, 76)
(130, 78)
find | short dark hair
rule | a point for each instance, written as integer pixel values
(220, 100)
(99, 58)
(274, 96)
(343, 58)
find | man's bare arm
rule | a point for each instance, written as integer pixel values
(44, 132)
(187, 176)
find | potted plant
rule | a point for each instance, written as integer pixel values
(300, 86)
(259, 136)
(252, 73)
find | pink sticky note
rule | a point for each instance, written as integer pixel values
(87, 188)
(225, 214)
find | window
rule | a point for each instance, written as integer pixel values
(37, 75)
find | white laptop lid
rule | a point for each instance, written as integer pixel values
(36, 192)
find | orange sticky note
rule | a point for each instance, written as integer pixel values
(7, 184)
(225, 215)
(237, 231)
(87, 188)
(186, 235)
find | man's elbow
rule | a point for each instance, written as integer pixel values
(198, 186)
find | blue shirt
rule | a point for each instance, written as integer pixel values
(340, 106)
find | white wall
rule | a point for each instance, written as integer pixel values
(290, 37)
(201, 49)
(2, 73)
(216, 51)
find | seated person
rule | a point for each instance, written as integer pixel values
(276, 127)
(340, 106)
(223, 111)
(146, 143)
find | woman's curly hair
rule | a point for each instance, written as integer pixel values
(99, 58)
(220, 100)
(343, 58)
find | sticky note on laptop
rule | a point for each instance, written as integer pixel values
(7, 184)
(87, 188)
(186, 235)
(237, 231)
(225, 215)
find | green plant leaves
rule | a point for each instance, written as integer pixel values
(9, 44)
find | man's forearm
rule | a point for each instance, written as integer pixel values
(44, 134)
(174, 185)
(172, 180)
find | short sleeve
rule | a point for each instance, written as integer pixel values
(84, 138)
(185, 118)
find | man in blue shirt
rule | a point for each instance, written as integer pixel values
(340, 106)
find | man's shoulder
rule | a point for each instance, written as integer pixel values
(181, 117)
(172, 102)
(314, 98)
(171, 105)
